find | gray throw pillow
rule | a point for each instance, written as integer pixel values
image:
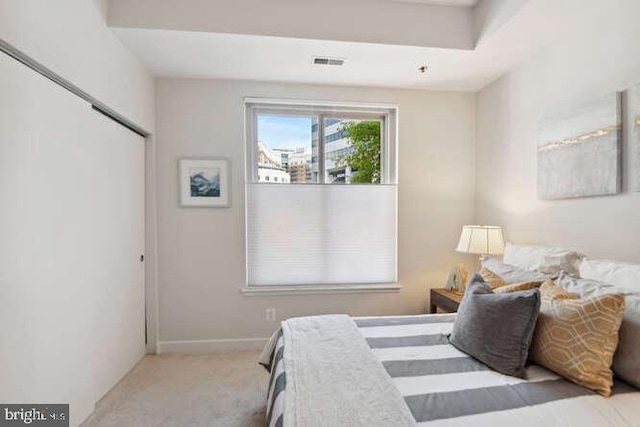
(496, 329)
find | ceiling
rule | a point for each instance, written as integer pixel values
(174, 49)
(278, 59)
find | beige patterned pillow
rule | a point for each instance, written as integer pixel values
(492, 279)
(515, 287)
(576, 338)
(549, 292)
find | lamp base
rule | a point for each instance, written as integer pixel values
(481, 259)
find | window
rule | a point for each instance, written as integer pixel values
(331, 218)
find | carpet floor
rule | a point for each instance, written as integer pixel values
(216, 389)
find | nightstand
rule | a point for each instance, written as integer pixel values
(445, 300)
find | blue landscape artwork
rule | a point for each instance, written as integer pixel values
(205, 182)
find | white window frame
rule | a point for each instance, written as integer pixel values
(387, 113)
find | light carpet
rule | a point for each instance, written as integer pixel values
(215, 389)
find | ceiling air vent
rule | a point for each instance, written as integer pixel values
(325, 60)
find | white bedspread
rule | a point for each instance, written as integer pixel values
(328, 365)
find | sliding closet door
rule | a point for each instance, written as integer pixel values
(116, 202)
(71, 234)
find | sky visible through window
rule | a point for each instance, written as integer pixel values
(284, 132)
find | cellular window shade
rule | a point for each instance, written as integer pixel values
(321, 234)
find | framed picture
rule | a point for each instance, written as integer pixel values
(579, 150)
(204, 182)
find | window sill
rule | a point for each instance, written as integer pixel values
(320, 289)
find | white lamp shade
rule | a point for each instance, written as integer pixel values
(481, 239)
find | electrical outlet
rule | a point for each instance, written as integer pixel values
(271, 314)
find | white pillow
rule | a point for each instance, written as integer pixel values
(615, 273)
(548, 260)
(589, 288)
(512, 274)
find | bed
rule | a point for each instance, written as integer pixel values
(401, 370)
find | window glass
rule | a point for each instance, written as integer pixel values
(288, 149)
(284, 148)
(352, 150)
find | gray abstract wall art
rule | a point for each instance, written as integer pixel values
(633, 102)
(579, 150)
(635, 153)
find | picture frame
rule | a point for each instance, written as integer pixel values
(204, 182)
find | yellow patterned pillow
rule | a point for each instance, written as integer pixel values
(515, 287)
(576, 338)
(492, 279)
(549, 292)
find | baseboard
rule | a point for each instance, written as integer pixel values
(210, 346)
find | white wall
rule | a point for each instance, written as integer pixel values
(201, 251)
(603, 57)
(48, 274)
(71, 38)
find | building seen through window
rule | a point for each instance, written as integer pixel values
(290, 149)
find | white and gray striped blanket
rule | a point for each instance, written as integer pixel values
(444, 387)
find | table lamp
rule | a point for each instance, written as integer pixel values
(481, 239)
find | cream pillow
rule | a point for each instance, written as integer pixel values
(548, 260)
(615, 273)
(513, 274)
(577, 338)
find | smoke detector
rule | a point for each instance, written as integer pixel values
(326, 60)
